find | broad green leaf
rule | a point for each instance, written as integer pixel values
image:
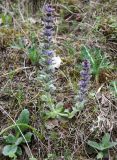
(23, 118)
(10, 139)
(106, 140)
(28, 137)
(94, 145)
(19, 141)
(110, 145)
(9, 150)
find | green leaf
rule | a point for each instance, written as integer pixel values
(19, 141)
(9, 150)
(59, 105)
(100, 155)
(28, 136)
(78, 107)
(23, 118)
(110, 145)
(94, 145)
(44, 98)
(86, 54)
(106, 144)
(10, 139)
(72, 114)
(19, 151)
(33, 55)
(106, 140)
(55, 112)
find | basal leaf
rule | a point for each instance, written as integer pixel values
(106, 140)
(94, 145)
(9, 150)
(10, 139)
(110, 145)
(87, 55)
(19, 141)
(24, 119)
(28, 137)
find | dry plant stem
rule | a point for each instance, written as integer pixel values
(65, 8)
(19, 8)
(14, 71)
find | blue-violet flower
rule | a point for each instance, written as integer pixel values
(85, 79)
(48, 29)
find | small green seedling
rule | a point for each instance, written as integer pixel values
(103, 146)
(12, 149)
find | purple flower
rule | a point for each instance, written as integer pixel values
(48, 8)
(85, 79)
(48, 52)
(49, 19)
(49, 61)
(48, 31)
